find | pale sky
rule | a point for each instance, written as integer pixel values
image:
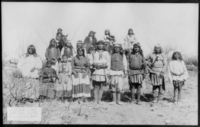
(167, 24)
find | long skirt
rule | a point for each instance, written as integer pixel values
(99, 78)
(28, 88)
(138, 78)
(116, 81)
(47, 89)
(81, 86)
(64, 87)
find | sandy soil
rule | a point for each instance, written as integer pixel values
(162, 113)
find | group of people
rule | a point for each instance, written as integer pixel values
(70, 73)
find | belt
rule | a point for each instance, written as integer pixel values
(117, 69)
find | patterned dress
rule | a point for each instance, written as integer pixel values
(80, 84)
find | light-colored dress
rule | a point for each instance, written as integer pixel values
(177, 67)
(101, 57)
(129, 41)
(25, 64)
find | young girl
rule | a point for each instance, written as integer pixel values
(178, 74)
(118, 70)
(136, 71)
(64, 88)
(48, 78)
(80, 76)
(53, 53)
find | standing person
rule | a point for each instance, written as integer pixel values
(64, 88)
(90, 40)
(59, 36)
(48, 78)
(118, 70)
(53, 53)
(157, 64)
(178, 74)
(30, 65)
(101, 64)
(129, 40)
(80, 76)
(109, 41)
(136, 71)
(80, 44)
(68, 51)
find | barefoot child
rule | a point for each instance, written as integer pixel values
(65, 85)
(136, 71)
(178, 74)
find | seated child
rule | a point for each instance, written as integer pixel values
(64, 87)
(48, 78)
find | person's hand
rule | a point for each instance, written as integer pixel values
(84, 75)
(33, 69)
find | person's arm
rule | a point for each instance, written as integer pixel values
(70, 69)
(164, 63)
(107, 60)
(125, 63)
(62, 51)
(60, 67)
(169, 72)
(38, 63)
(58, 53)
(21, 61)
(185, 76)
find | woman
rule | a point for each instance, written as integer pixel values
(118, 70)
(90, 40)
(30, 65)
(136, 71)
(157, 63)
(80, 76)
(68, 50)
(129, 40)
(101, 64)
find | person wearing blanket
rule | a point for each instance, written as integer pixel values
(118, 70)
(178, 74)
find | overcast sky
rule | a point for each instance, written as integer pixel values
(37, 23)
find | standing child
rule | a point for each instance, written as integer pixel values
(178, 74)
(64, 88)
(136, 71)
(118, 70)
(48, 79)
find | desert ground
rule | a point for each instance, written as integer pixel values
(164, 112)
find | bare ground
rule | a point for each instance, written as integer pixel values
(162, 113)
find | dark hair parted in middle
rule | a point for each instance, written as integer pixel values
(180, 56)
(140, 50)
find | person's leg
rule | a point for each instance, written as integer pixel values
(132, 86)
(100, 92)
(160, 92)
(180, 91)
(114, 97)
(155, 93)
(96, 90)
(138, 93)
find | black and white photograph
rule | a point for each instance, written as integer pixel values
(100, 63)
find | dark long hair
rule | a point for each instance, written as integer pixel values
(121, 52)
(180, 56)
(52, 40)
(140, 51)
(33, 48)
(82, 50)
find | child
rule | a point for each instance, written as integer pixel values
(65, 84)
(68, 51)
(178, 74)
(48, 78)
(53, 53)
(136, 71)
(118, 70)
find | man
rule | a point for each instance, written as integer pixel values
(157, 63)
(90, 40)
(101, 64)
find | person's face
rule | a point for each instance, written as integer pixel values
(30, 50)
(157, 49)
(176, 56)
(80, 52)
(53, 43)
(64, 58)
(100, 46)
(106, 33)
(79, 46)
(68, 44)
(91, 35)
(130, 32)
(117, 49)
(49, 65)
(60, 31)
(136, 48)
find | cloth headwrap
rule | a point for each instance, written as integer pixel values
(92, 32)
(100, 42)
(117, 45)
(59, 29)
